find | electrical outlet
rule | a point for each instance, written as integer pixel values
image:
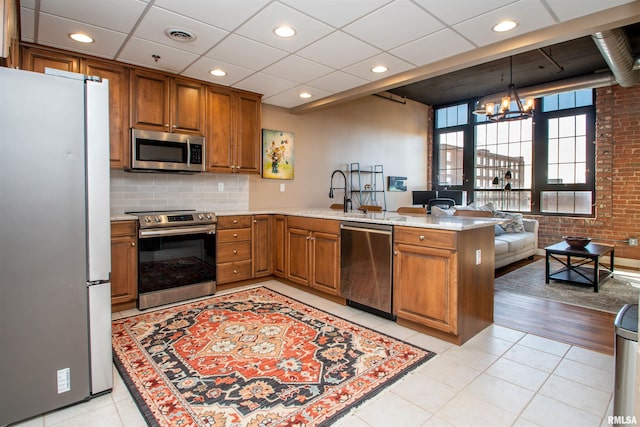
(478, 256)
(282, 188)
(220, 187)
(633, 241)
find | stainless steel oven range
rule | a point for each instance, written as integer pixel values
(176, 256)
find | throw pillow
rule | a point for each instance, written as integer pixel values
(473, 206)
(499, 230)
(436, 211)
(514, 223)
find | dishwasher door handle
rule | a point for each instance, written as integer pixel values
(365, 230)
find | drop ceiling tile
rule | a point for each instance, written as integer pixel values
(118, 15)
(337, 82)
(225, 14)
(157, 21)
(291, 98)
(54, 31)
(27, 24)
(338, 50)
(261, 26)
(433, 47)
(451, 13)
(265, 84)
(139, 52)
(363, 68)
(246, 53)
(336, 13)
(567, 10)
(297, 69)
(393, 25)
(530, 15)
(200, 70)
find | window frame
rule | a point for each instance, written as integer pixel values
(539, 182)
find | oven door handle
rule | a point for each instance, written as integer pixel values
(176, 231)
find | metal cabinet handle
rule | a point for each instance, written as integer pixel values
(395, 253)
(235, 252)
(255, 221)
(421, 238)
(133, 244)
(235, 221)
(235, 271)
(235, 234)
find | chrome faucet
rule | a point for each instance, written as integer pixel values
(331, 188)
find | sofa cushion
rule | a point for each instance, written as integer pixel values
(514, 222)
(515, 241)
(502, 247)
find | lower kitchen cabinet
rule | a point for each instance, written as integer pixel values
(124, 264)
(233, 256)
(313, 253)
(438, 285)
(261, 231)
(278, 245)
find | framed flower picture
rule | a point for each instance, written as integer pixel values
(277, 154)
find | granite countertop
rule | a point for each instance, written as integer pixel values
(453, 223)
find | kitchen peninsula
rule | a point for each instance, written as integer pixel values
(443, 267)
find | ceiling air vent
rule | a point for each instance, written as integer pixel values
(180, 34)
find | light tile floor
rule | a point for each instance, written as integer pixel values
(501, 377)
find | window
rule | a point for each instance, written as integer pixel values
(543, 168)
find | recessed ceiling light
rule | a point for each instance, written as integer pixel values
(304, 95)
(379, 69)
(218, 72)
(82, 38)
(284, 31)
(504, 26)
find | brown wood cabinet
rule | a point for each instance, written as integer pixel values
(437, 284)
(234, 253)
(118, 76)
(261, 232)
(124, 264)
(278, 245)
(35, 59)
(163, 103)
(233, 130)
(313, 253)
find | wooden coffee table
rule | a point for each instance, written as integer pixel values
(579, 265)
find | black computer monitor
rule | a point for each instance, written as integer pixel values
(422, 197)
(456, 195)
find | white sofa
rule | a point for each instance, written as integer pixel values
(512, 247)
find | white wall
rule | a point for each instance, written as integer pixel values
(371, 130)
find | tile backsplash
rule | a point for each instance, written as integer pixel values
(163, 191)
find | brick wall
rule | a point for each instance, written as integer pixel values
(617, 177)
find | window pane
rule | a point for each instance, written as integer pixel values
(441, 118)
(550, 103)
(566, 156)
(567, 126)
(568, 202)
(584, 97)
(455, 115)
(462, 114)
(583, 202)
(566, 100)
(451, 158)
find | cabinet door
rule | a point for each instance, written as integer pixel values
(261, 237)
(37, 60)
(149, 101)
(187, 101)
(279, 251)
(220, 129)
(325, 262)
(425, 288)
(124, 262)
(248, 144)
(118, 108)
(298, 255)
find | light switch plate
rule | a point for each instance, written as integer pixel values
(478, 256)
(220, 187)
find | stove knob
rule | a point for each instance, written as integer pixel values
(208, 216)
(158, 219)
(147, 219)
(200, 217)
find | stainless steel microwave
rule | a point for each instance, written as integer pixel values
(163, 151)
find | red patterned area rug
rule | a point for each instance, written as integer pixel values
(254, 358)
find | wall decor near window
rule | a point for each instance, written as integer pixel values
(397, 183)
(277, 154)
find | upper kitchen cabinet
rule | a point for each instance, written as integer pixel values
(118, 77)
(166, 104)
(233, 130)
(34, 59)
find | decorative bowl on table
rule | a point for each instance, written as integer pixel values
(577, 242)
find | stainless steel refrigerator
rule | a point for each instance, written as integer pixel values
(55, 257)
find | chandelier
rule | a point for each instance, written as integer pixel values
(510, 107)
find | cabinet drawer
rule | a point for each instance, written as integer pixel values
(425, 237)
(234, 271)
(123, 228)
(225, 236)
(234, 251)
(314, 224)
(234, 221)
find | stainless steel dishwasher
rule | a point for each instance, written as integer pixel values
(366, 266)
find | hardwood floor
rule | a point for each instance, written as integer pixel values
(583, 327)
